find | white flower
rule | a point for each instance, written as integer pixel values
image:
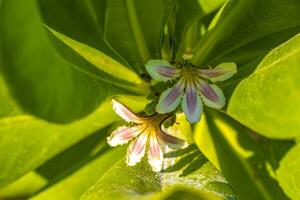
(145, 129)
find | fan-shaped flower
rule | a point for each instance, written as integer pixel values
(192, 87)
(142, 129)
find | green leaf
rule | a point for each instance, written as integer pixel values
(41, 81)
(69, 174)
(288, 173)
(73, 186)
(182, 193)
(187, 15)
(190, 171)
(248, 22)
(241, 159)
(212, 5)
(271, 94)
(79, 39)
(24, 187)
(187, 24)
(31, 141)
(99, 59)
(134, 28)
(26, 141)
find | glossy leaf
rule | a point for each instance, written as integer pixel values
(242, 159)
(267, 101)
(78, 22)
(191, 171)
(234, 29)
(138, 37)
(288, 173)
(41, 81)
(69, 174)
(72, 187)
(32, 141)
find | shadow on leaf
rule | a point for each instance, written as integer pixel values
(187, 160)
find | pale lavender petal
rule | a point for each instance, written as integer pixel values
(126, 113)
(136, 149)
(123, 134)
(220, 73)
(155, 154)
(191, 104)
(212, 95)
(162, 70)
(170, 99)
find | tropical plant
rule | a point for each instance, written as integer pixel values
(209, 91)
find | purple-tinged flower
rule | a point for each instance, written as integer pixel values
(192, 87)
(143, 129)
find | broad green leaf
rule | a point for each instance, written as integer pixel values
(24, 187)
(8, 106)
(58, 178)
(134, 28)
(182, 193)
(73, 186)
(189, 169)
(26, 142)
(99, 59)
(80, 39)
(267, 101)
(187, 15)
(187, 24)
(41, 81)
(241, 159)
(210, 6)
(248, 22)
(288, 173)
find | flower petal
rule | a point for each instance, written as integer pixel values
(212, 95)
(170, 99)
(125, 112)
(220, 73)
(123, 134)
(136, 149)
(162, 70)
(168, 138)
(191, 104)
(155, 154)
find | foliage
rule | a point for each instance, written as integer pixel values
(62, 61)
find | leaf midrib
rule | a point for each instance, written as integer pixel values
(137, 31)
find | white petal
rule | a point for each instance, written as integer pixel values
(125, 112)
(162, 70)
(212, 95)
(220, 73)
(155, 154)
(123, 134)
(136, 150)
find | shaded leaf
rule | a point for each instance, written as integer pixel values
(41, 81)
(228, 36)
(138, 37)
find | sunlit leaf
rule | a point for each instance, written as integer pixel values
(235, 29)
(242, 159)
(288, 173)
(267, 101)
(190, 171)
